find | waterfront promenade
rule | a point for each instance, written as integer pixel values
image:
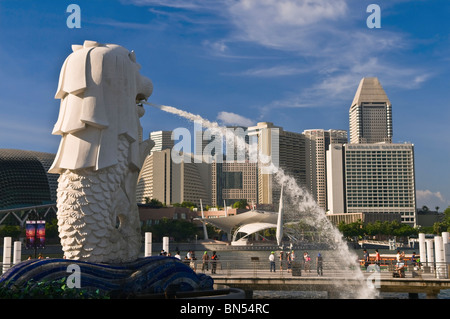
(336, 282)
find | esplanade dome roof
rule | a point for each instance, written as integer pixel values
(24, 180)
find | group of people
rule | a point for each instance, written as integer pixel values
(400, 264)
(190, 259)
(287, 260)
(205, 261)
(40, 256)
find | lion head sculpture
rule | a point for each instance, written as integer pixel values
(100, 153)
(99, 86)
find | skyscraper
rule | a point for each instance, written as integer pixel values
(377, 175)
(287, 151)
(370, 114)
(169, 182)
(234, 175)
(335, 179)
(163, 140)
(379, 178)
(233, 181)
(149, 171)
(317, 142)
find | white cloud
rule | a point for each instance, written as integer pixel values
(338, 85)
(229, 118)
(178, 4)
(315, 35)
(321, 35)
(328, 29)
(275, 71)
(430, 199)
(284, 24)
(290, 12)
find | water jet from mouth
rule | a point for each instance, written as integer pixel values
(300, 208)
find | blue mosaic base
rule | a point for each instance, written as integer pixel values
(149, 275)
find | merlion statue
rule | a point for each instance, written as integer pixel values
(100, 153)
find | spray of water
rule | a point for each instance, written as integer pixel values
(300, 207)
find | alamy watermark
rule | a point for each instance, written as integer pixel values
(374, 279)
(74, 19)
(374, 19)
(74, 279)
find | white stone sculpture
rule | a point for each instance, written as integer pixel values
(100, 153)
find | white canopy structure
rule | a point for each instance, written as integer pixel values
(251, 217)
(251, 222)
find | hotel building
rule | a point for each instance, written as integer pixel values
(379, 178)
(376, 175)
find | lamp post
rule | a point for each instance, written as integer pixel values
(32, 232)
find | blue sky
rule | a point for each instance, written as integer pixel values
(296, 63)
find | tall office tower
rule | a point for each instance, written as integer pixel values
(370, 114)
(233, 181)
(379, 178)
(200, 143)
(153, 179)
(335, 179)
(172, 182)
(191, 181)
(317, 143)
(163, 140)
(234, 177)
(286, 150)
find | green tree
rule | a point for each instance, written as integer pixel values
(241, 204)
(180, 230)
(351, 230)
(153, 203)
(186, 204)
(10, 231)
(447, 215)
(374, 229)
(51, 228)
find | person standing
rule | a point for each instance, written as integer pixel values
(205, 260)
(377, 258)
(288, 261)
(319, 265)
(291, 260)
(177, 255)
(398, 256)
(307, 260)
(413, 259)
(191, 257)
(272, 261)
(214, 259)
(366, 259)
(281, 260)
